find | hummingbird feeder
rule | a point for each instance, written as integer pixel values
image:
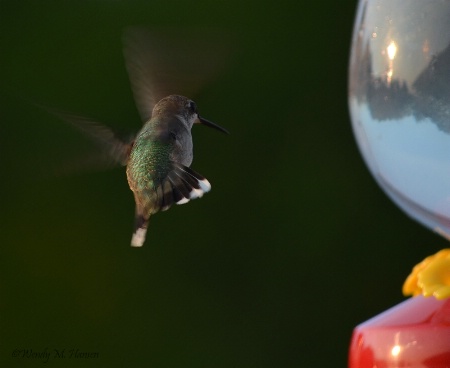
(399, 99)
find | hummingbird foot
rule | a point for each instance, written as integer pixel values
(138, 237)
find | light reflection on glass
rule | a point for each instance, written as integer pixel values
(395, 351)
(392, 50)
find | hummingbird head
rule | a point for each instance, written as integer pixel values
(186, 111)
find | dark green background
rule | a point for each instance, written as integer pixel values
(294, 246)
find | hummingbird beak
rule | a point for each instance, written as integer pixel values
(212, 125)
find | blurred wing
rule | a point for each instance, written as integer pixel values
(117, 149)
(176, 61)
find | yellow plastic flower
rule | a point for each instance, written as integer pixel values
(430, 277)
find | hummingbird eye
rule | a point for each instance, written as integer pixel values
(193, 106)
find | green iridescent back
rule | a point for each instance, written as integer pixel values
(148, 166)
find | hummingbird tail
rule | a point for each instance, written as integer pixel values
(186, 184)
(138, 238)
(180, 186)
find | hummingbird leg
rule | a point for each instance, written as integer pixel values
(140, 231)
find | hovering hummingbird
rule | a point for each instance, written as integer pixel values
(158, 164)
(159, 156)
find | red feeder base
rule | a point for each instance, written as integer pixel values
(413, 334)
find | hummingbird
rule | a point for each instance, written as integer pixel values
(158, 165)
(159, 156)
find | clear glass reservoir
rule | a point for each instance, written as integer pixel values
(399, 97)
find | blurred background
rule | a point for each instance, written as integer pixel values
(294, 246)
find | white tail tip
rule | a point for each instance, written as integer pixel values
(138, 237)
(205, 185)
